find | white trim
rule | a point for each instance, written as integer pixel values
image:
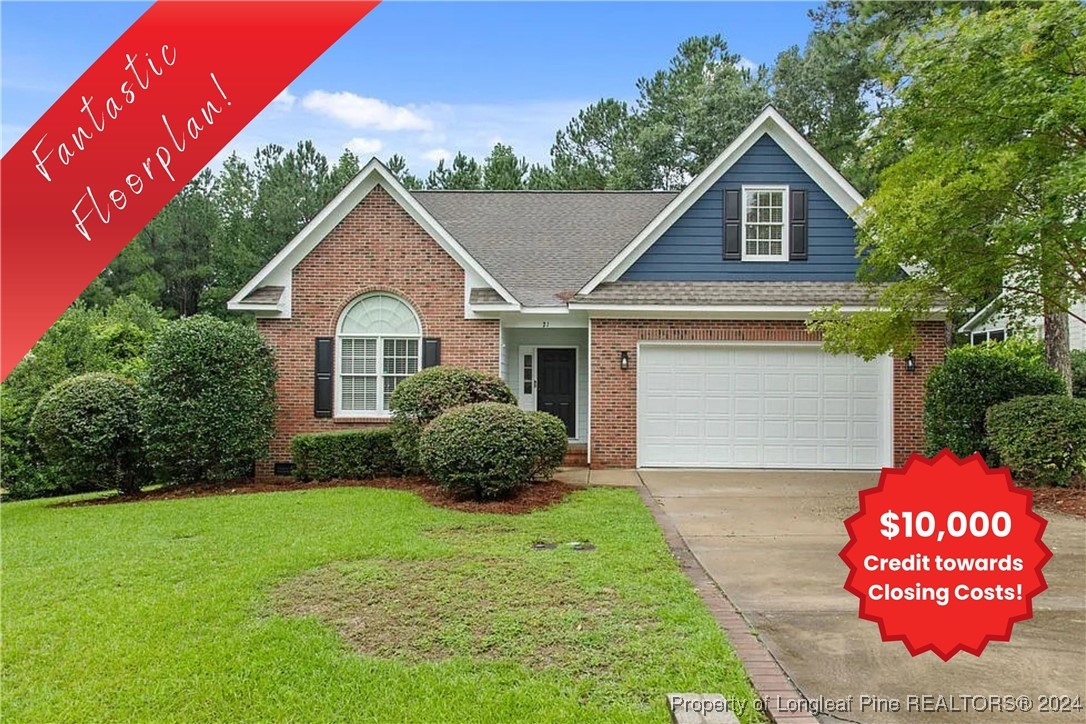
(981, 316)
(679, 311)
(522, 397)
(494, 307)
(769, 122)
(588, 420)
(374, 174)
(886, 361)
(784, 255)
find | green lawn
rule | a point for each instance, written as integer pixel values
(349, 604)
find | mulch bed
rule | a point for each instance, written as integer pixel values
(532, 497)
(1070, 500)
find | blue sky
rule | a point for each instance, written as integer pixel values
(419, 78)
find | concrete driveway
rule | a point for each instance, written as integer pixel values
(770, 540)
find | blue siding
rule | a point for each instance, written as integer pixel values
(692, 248)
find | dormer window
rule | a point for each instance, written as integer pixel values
(765, 232)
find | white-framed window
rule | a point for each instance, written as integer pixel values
(765, 223)
(990, 335)
(378, 344)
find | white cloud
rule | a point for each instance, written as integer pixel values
(363, 147)
(437, 154)
(359, 112)
(746, 64)
(284, 101)
(527, 126)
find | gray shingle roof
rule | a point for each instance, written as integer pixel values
(486, 295)
(730, 293)
(263, 295)
(543, 245)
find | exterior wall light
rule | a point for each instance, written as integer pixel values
(624, 360)
(910, 363)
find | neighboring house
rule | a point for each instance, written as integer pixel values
(990, 324)
(665, 329)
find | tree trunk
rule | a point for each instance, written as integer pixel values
(1057, 341)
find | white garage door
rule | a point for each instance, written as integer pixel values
(772, 406)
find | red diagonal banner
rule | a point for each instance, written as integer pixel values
(139, 124)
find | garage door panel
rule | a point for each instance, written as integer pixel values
(738, 406)
(836, 408)
(778, 406)
(747, 405)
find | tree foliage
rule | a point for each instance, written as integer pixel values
(221, 228)
(983, 178)
(84, 339)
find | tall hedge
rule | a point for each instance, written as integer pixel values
(207, 400)
(421, 398)
(1042, 439)
(88, 428)
(972, 379)
(1078, 372)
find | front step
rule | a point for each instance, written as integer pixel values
(576, 456)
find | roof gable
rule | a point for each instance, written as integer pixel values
(277, 272)
(768, 123)
(691, 248)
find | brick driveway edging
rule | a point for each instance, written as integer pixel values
(783, 701)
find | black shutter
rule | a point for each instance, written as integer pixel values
(431, 352)
(732, 249)
(322, 378)
(798, 233)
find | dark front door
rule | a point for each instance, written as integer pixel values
(556, 390)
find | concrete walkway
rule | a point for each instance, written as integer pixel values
(770, 540)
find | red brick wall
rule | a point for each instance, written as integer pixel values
(377, 247)
(909, 390)
(614, 391)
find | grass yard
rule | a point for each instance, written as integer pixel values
(352, 604)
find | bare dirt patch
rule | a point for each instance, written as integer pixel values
(488, 608)
(1070, 500)
(529, 498)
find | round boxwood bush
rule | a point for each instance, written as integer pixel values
(207, 400)
(483, 451)
(421, 398)
(972, 379)
(553, 443)
(1042, 439)
(88, 429)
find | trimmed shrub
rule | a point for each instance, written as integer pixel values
(1042, 439)
(207, 400)
(972, 379)
(88, 429)
(553, 443)
(344, 455)
(483, 450)
(422, 397)
(1078, 372)
(82, 340)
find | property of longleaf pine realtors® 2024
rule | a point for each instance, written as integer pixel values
(88, 204)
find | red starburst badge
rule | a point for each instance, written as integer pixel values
(945, 554)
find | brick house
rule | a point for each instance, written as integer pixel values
(666, 329)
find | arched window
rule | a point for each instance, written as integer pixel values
(379, 343)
